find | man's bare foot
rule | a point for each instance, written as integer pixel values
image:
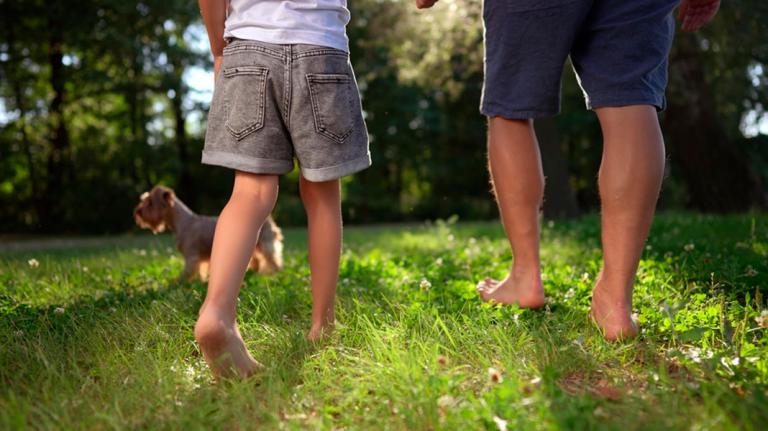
(612, 312)
(513, 290)
(223, 348)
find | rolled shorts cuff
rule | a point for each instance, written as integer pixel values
(517, 115)
(245, 163)
(337, 171)
(595, 101)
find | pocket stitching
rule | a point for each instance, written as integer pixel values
(320, 127)
(262, 72)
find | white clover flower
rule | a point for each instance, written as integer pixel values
(451, 237)
(425, 284)
(85, 269)
(694, 354)
(439, 261)
(18, 334)
(501, 424)
(445, 401)
(689, 247)
(59, 311)
(33, 263)
(762, 319)
(585, 276)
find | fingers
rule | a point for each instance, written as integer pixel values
(695, 13)
(682, 10)
(423, 4)
(216, 66)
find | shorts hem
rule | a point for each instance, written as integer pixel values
(512, 114)
(614, 102)
(246, 163)
(338, 171)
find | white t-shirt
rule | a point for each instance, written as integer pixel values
(315, 22)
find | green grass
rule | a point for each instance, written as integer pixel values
(119, 351)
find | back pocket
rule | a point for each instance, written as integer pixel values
(331, 96)
(247, 96)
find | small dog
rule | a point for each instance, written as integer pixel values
(160, 209)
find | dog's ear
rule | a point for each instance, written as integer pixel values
(169, 197)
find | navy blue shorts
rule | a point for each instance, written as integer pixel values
(618, 48)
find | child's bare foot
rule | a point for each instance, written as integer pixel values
(612, 312)
(526, 292)
(317, 333)
(223, 348)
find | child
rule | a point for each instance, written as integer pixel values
(284, 89)
(619, 51)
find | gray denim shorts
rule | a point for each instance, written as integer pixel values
(272, 103)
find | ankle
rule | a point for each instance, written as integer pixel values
(615, 288)
(526, 272)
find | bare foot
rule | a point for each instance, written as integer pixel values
(223, 348)
(513, 290)
(612, 312)
(319, 331)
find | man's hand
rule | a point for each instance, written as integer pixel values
(423, 4)
(695, 13)
(216, 66)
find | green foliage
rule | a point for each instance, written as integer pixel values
(95, 110)
(407, 354)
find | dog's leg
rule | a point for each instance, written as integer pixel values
(191, 268)
(202, 270)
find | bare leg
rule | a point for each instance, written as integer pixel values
(237, 231)
(518, 181)
(630, 179)
(322, 201)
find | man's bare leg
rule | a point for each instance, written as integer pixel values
(322, 201)
(630, 178)
(237, 230)
(518, 182)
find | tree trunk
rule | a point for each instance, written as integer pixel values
(184, 186)
(718, 176)
(559, 199)
(58, 157)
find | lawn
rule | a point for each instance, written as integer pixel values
(98, 335)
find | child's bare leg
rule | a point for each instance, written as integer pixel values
(322, 201)
(237, 231)
(518, 181)
(630, 179)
